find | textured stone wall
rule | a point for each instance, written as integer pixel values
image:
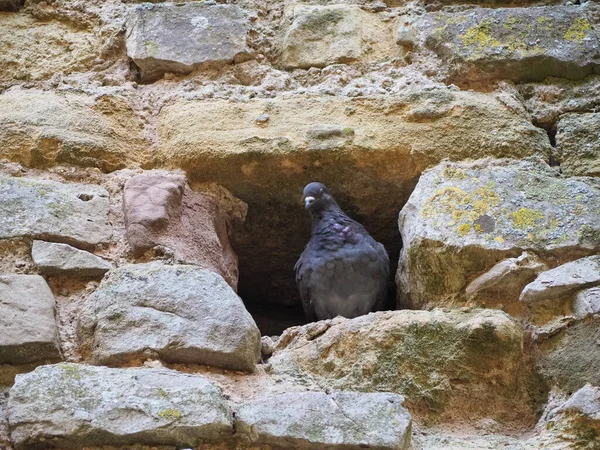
(152, 159)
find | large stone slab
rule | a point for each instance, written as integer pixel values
(331, 34)
(463, 218)
(74, 405)
(178, 313)
(62, 259)
(315, 420)
(74, 213)
(563, 280)
(41, 129)
(521, 44)
(181, 38)
(161, 209)
(36, 50)
(28, 331)
(446, 362)
(358, 147)
(578, 144)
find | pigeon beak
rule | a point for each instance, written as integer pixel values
(308, 201)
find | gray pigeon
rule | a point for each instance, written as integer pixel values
(342, 271)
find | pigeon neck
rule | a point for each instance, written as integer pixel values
(324, 215)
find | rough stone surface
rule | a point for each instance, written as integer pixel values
(41, 129)
(587, 303)
(577, 420)
(522, 44)
(315, 420)
(463, 218)
(571, 358)
(322, 35)
(359, 148)
(448, 363)
(74, 405)
(178, 313)
(563, 280)
(180, 38)
(74, 213)
(62, 259)
(28, 331)
(578, 144)
(506, 278)
(35, 50)
(161, 209)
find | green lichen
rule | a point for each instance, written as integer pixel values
(545, 22)
(578, 31)
(71, 371)
(151, 48)
(170, 414)
(525, 218)
(464, 229)
(479, 36)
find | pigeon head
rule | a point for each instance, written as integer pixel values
(318, 198)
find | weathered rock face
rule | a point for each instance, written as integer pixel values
(74, 405)
(358, 147)
(522, 44)
(322, 35)
(563, 280)
(62, 259)
(464, 218)
(76, 213)
(180, 38)
(161, 209)
(315, 420)
(36, 50)
(41, 129)
(577, 421)
(28, 331)
(177, 313)
(587, 303)
(571, 359)
(448, 363)
(578, 144)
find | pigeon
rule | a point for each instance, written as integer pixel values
(342, 271)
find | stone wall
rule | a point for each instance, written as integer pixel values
(152, 159)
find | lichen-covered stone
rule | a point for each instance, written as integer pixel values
(359, 147)
(578, 144)
(28, 331)
(62, 259)
(319, 421)
(522, 44)
(76, 213)
(179, 313)
(322, 35)
(74, 405)
(161, 209)
(180, 38)
(463, 218)
(587, 303)
(563, 280)
(442, 361)
(41, 129)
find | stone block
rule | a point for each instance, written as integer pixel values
(578, 144)
(62, 259)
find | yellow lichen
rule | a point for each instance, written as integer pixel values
(170, 414)
(512, 21)
(499, 239)
(525, 218)
(464, 229)
(578, 31)
(545, 22)
(480, 36)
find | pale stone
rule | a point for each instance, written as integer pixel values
(62, 259)
(578, 144)
(587, 303)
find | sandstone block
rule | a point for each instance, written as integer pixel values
(41, 129)
(44, 209)
(315, 420)
(563, 280)
(358, 147)
(437, 359)
(463, 218)
(161, 209)
(521, 44)
(177, 313)
(74, 405)
(180, 38)
(578, 144)
(332, 34)
(62, 259)
(28, 331)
